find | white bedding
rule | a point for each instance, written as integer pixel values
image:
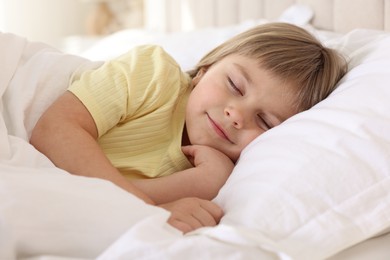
(309, 189)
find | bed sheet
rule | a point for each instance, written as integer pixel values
(375, 248)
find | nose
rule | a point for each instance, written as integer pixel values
(236, 117)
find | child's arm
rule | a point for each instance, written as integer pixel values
(66, 134)
(212, 168)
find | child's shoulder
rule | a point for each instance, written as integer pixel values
(150, 52)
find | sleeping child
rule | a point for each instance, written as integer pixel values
(172, 137)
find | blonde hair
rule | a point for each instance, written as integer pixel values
(290, 53)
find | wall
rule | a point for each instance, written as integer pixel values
(44, 20)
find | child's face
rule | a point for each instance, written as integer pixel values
(235, 101)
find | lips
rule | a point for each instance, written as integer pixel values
(219, 130)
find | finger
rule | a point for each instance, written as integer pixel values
(186, 221)
(206, 213)
(204, 218)
(182, 226)
(188, 150)
(213, 209)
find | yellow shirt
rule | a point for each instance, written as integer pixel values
(138, 103)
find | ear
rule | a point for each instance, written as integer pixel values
(198, 76)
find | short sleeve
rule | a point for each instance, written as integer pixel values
(125, 88)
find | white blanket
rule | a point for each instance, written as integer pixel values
(43, 209)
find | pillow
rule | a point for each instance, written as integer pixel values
(320, 182)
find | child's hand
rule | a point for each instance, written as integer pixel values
(188, 214)
(212, 166)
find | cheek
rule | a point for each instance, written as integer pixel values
(250, 136)
(210, 87)
(195, 97)
(204, 96)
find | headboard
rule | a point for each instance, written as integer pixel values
(333, 15)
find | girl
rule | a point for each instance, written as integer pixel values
(140, 117)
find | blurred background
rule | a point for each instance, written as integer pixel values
(74, 26)
(63, 23)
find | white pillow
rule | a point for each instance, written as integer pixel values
(320, 182)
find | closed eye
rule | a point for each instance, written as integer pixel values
(263, 123)
(234, 87)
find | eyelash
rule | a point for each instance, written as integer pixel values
(264, 123)
(233, 86)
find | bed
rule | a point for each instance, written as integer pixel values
(315, 187)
